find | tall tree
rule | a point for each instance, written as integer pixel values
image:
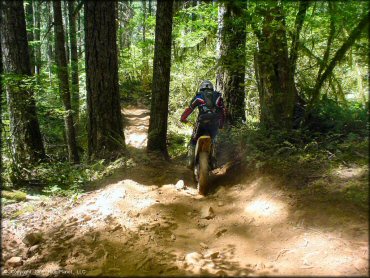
(74, 61)
(293, 56)
(27, 145)
(30, 35)
(81, 31)
(125, 14)
(150, 7)
(145, 47)
(49, 41)
(277, 92)
(62, 70)
(105, 133)
(65, 20)
(37, 31)
(231, 72)
(157, 133)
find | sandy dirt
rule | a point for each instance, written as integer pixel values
(149, 220)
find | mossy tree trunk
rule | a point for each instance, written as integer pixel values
(27, 145)
(277, 92)
(62, 71)
(231, 45)
(74, 62)
(30, 35)
(37, 32)
(105, 132)
(157, 134)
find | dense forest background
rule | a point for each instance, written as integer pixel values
(93, 153)
(294, 76)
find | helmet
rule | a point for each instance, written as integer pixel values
(206, 84)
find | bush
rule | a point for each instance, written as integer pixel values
(329, 115)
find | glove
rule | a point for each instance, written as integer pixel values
(185, 115)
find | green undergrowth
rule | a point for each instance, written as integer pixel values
(332, 166)
(61, 178)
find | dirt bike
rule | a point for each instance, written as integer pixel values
(202, 160)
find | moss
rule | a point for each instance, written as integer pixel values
(28, 208)
(14, 195)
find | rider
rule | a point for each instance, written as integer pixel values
(211, 117)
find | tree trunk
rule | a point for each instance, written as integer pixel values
(30, 28)
(105, 134)
(80, 27)
(37, 28)
(66, 24)
(231, 71)
(277, 90)
(74, 62)
(49, 42)
(62, 66)
(303, 6)
(126, 14)
(27, 145)
(157, 134)
(145, 48)
(144, 20)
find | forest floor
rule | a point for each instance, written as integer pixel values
(148, 220)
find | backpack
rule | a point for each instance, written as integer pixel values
(209, 111)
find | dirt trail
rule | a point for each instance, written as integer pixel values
(149, 220)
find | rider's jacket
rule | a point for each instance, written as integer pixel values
(210, 105)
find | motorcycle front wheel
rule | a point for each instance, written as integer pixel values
(203, 173)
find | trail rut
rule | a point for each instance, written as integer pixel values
(149, 220)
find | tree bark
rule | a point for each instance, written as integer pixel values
(27, 145)
(105, 133)
(126, 14)
(30, 37)
(80, 38)
(157, 134)
(277, 90)
(66, 24)
(62, 70)
(37, 30)
(49, 42)
(145, 48)
(303, 6)
(231, 71)
(74, 62)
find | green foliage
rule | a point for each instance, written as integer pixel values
(298, 152)
(65, 179)
(71, 179)
(177, 145)
(306, 160)
(194, 57)
(329, 115)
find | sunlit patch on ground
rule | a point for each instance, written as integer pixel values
(268, 209)
(349, 172)
(137, 129)
(103, 203)
(136, 140)
(321, 251)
